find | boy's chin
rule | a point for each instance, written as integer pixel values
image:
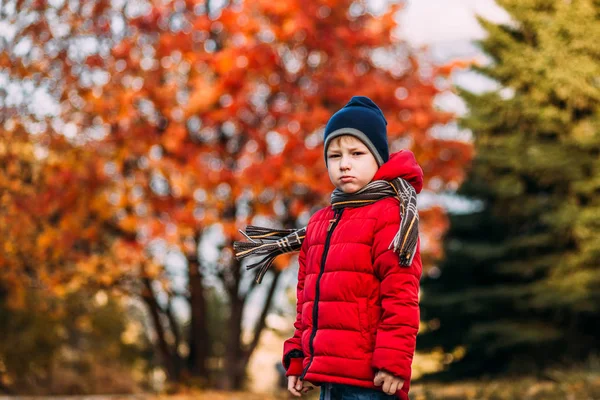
(349, 188)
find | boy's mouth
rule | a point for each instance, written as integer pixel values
(346, 178)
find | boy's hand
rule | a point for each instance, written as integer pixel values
(391, 383)
(297, 387)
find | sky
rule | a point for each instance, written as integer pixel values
(447, 28)
(441, 22)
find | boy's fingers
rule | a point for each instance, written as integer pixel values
(292, 386)
(386, 386)
(378, 379)
(394, 387)
(307, 389)
(299, 385)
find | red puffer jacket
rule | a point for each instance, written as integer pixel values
(357, 309)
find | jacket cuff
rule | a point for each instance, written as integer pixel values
(292, 362)
(295, 368)
(391, 362)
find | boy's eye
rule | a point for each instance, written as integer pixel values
(333, 155)
(358, 153)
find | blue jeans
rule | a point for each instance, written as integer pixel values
(336, 391)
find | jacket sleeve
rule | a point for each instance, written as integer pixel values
(292, 348)
(397, 331)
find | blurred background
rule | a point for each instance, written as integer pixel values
(137, 137)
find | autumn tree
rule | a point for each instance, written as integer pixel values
(208, 115)
(59, 237)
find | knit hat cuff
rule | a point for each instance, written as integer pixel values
(357, 134)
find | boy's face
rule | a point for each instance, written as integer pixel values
(350, 164)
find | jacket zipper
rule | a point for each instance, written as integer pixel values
(330, 228)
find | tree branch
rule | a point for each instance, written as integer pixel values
(155, 311)
(261, 324)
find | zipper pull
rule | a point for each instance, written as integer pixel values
(331, 222)
(336, 216)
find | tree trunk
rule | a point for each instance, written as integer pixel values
(198, 339)
(234, 356)
(238, 355)
(235, 365)
(175, 330)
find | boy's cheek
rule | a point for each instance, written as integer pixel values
(332, 176)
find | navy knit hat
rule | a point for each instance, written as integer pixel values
(362, 119)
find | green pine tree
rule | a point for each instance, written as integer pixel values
(519, 288)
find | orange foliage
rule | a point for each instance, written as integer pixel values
(215, 119)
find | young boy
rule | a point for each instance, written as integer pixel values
(359, 267)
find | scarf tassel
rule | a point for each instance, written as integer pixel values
(268, 243)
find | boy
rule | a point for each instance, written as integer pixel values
(359, 266)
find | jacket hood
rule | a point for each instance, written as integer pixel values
(402, 164)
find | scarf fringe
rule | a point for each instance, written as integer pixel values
(405, 244)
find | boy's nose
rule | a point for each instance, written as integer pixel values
(344, 163)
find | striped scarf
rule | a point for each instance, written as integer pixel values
(269, 243)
